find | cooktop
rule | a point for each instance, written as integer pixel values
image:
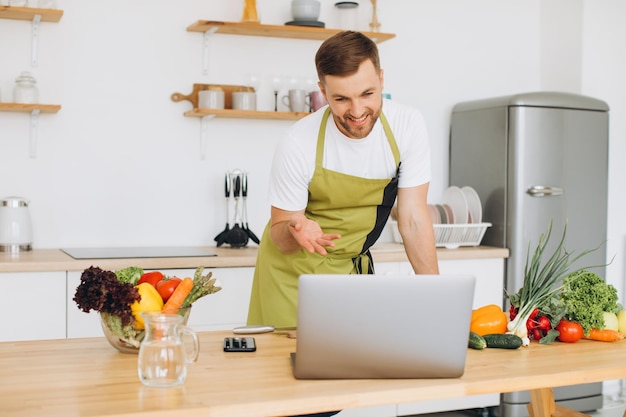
(138, 252)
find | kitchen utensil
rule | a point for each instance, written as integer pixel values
(277, 84)
(193, 96)
(212, 98)
(244, 100)
(317, 100)
(455, 198)
(16, 233)
(348, 12)
(297, 100)
(474, 205)
(374, 24)
(308, 10)
(25, 91)
(250, 13)
(236, 237)
(163, 359)
(221, 237)
(244, 217)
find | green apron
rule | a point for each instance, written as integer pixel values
(355, 207)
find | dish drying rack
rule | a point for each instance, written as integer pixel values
(451, 236)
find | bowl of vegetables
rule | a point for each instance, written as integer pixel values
(121, 296)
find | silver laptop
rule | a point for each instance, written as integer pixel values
(382, 326)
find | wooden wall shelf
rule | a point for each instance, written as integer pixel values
(28, 108)
(276, 31)
(28, 13)
(246, 114)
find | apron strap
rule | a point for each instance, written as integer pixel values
(321, 135)
(363, 263)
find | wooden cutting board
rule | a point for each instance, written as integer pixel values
(228, 90)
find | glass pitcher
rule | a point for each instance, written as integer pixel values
(163, 357)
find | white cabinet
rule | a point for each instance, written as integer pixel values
(225, 309)
(489, 290)
(33, 305)
(79, 323)
(489, 274)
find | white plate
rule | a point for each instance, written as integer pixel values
(455, 198)
(473, 204)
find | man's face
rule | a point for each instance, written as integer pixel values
(355, 100)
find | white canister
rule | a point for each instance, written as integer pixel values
(25, 91)
(16, 232)
(348, 14)
(244, 100)
(211, 99)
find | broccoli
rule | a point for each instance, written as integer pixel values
(129, 275)
(586, 296)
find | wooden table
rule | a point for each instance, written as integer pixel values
(87, 377)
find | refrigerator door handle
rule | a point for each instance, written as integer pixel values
(543, 191)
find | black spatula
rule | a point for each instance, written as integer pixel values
(244, 194)
(237, 237)
(221, 237)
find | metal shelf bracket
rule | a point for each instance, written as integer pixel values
(34, 54)
(34, 121)
(204, 134)
(205, 49)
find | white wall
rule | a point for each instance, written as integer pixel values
(120, 165)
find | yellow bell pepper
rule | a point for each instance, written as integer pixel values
(150, 301)
(489, 319)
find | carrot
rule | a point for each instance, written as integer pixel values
(178, 296)
(605, 335)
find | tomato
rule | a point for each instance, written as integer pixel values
(166, 287)
(569, 331)
(151, 278)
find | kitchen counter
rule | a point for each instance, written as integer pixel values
(57, 260)
(87, 377)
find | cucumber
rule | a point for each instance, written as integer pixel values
(476, 341)
(503, 341)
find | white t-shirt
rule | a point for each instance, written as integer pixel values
(370, 157)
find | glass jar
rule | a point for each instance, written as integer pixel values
(348, 14)
(25, 91)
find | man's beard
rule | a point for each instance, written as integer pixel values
(357, 132)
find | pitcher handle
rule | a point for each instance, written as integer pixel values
(191, 358)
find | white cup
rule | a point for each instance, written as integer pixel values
(297, 100)
(244, 100)
(211, 99)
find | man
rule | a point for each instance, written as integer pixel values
(335, 178)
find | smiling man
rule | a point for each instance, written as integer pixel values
(335, 178)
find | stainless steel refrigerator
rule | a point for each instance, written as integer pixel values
(534, 158)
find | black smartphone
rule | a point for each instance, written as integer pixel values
(239, 344)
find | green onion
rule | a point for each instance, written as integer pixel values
(541, 282)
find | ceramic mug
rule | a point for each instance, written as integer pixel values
(211, 99)
(317, 100)
(244, 100)
(297, 100)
